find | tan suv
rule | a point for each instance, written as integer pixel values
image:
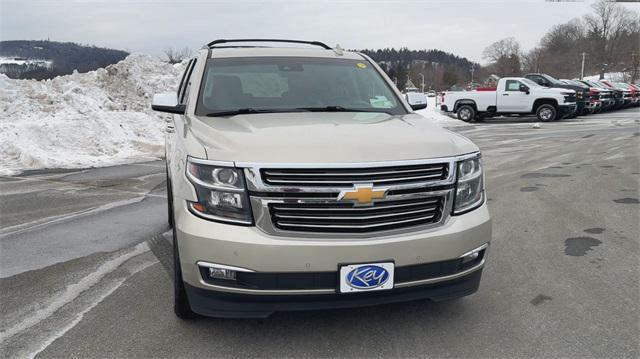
(299, 178)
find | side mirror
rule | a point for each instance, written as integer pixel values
(524, 88)
(417, 100)
(167, 102)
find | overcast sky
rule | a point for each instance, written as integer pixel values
(464, 28)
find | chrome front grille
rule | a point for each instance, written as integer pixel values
(305, 200)
(340, 177)
(341, 217)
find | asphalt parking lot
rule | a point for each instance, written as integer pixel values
(85, 256)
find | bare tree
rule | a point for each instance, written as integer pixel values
(505, 56)
(532, 60)
(174, 56)
(607, 27)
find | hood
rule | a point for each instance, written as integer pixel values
(325, 137)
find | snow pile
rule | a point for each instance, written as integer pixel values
(432, 112)
(97, 118)
(611, 76)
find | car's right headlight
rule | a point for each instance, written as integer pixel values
(222, 193)
(469, 185)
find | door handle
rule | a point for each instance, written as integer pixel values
(505, 94)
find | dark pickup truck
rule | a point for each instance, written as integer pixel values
(582, 93)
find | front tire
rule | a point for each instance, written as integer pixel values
(466, 113)
(546, 113)
(181, 306)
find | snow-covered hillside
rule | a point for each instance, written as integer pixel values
(94, 119)
(97, 118)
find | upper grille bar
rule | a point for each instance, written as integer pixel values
(302, 177)
(335, 172)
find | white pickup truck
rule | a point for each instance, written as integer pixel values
(513, 95)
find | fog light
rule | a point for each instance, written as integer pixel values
(473, 255)
(470, 257)
(222, 273)
(214, 273)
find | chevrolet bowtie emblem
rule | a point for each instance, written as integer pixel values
(362, 194)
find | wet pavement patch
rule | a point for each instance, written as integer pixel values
(627, 200)
(579, 246)
(539, 299)
(528, 189)
(594, 230)
(542, 175)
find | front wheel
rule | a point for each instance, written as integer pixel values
(546, 113)
(466, 113)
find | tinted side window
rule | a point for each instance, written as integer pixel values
(512, 85)
(537, 79)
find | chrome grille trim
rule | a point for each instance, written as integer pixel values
(342, 173)
(382, 205)
(286, 197)
(429, 209)
(264, 220)
(256, 183)
(353, 226)
(374, 181)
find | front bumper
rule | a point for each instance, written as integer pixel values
(227, 305)
(250, 248)
(566, 110)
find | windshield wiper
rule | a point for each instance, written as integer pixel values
(331, 109)
(249, 110)
(240, 111)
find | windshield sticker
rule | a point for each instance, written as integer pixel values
(380, 102)
(361, 65)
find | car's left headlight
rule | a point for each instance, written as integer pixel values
(221, 190)
(469, 185)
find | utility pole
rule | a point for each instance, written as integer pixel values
(473, 68)
(634, 64)
(422, 84)
(582, 70)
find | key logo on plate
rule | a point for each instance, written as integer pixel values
(367, 277)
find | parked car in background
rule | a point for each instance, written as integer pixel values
(418, 99)
(632, 92)
(618, 94)
(627, 95)
(637, 89)
(431, 93)
(513, 95)
(607, 99)
(592, 103)
(582, 94)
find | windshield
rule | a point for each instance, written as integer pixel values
(553, 81)
(530, 83)
(288, 84)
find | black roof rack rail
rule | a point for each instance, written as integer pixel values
(224, 41)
